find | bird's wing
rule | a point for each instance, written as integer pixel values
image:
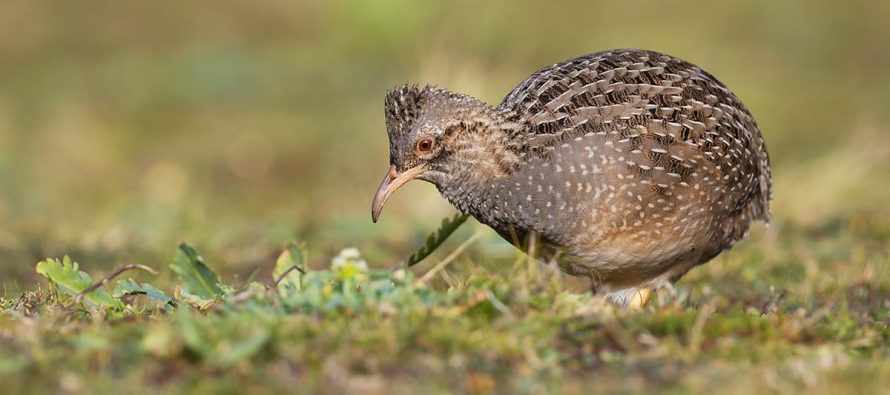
(671, 113)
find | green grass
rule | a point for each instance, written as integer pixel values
(796, 309)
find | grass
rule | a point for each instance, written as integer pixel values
(793, 310)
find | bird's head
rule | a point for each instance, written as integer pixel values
(429, 129)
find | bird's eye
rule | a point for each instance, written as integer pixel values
(425, 145)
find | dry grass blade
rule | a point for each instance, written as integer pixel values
(451, 257)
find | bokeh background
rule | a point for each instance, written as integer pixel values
(128, 127)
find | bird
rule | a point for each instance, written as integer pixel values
(626, 168)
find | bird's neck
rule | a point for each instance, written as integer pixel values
(482, 158)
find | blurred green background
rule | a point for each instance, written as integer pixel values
(127, 127)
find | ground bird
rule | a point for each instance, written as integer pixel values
(625, 167)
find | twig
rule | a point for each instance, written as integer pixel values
(247, 293)
(773, 304)
(286, 272)
(619, 336)
(243, 295)
(500, 306)
(454, 254)
(108, 277)
(696, 333)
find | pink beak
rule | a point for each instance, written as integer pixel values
(391, 181)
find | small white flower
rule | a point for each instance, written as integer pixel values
(349, 265)
(349, 258)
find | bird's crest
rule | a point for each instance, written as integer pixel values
(403, 104)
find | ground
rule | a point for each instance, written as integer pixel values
(792, 310)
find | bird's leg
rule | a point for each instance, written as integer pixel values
(639, 299)
(533, 252)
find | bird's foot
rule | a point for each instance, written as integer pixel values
(639, 299)
(631, 299)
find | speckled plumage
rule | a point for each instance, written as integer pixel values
(630, 167)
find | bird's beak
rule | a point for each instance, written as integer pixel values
(392, 181)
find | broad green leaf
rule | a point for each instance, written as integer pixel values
(449, 225)
(294, 256)
(130, 287)
(66, 276)
(196, 278)
(192, 336)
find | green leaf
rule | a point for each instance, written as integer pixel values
(237, 350)
(66, 276)
(199, 302)
(196, 278)
(191, 334)
(130, 287)
(294, 256)
(437, 238)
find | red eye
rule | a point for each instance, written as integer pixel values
(425, 145)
